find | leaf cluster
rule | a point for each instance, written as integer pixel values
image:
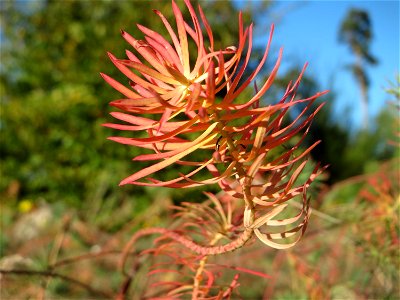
(52, 97)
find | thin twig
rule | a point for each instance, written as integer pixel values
(85, 256)
(55, 251)
(58, 275)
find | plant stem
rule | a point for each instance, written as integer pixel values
(58, 275)
(200, 269)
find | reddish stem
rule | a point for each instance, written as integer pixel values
(188, 243)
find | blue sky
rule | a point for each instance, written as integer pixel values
(308, 31)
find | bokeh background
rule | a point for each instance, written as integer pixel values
(59, 175)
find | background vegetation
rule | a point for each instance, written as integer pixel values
(59, 175)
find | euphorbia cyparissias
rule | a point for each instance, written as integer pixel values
(196, 102)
